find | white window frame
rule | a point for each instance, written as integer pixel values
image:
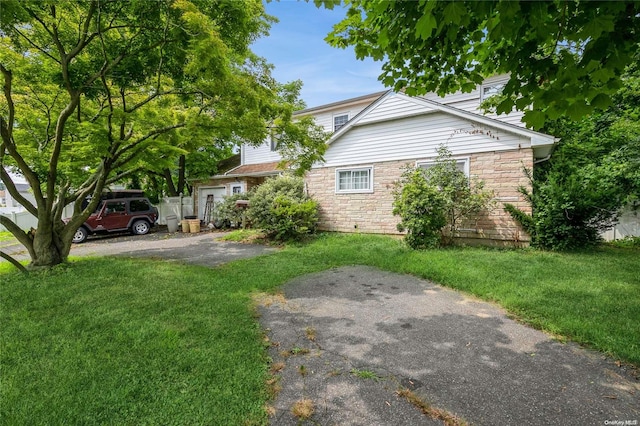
(496, 89)
(369, 169)
(236, 185)
(335, 116)
(464, 160)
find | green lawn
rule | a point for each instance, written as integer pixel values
(7, 237)
(147, 342)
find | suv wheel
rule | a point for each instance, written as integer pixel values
(80, 235)
(140, 227)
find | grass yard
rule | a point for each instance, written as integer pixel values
(146, 342)
(7, 237)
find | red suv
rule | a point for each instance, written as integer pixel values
(136, 215)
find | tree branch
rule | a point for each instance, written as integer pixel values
(59, 205)
(135, 144)
(35, 46)
(10, 186)
(6, 129)
(57, 147)
(83, 41)
(158, 94)
(6, 88)
(87, 186)
(14, 262)
(20, 235)
(122, 175)
(169, 179)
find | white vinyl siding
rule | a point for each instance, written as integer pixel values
(418, 137)
(395, 107)
(259, 154)
(470, 101)
(358, 179)
(325, 118)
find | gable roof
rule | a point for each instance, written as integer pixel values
(414, 106)
(346, 102)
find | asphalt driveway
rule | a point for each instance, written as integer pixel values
(359, 343)
(203, 248)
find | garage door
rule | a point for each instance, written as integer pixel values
(218, 194)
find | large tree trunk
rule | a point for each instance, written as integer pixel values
(172, 189)
(181, 174)
(49, 246)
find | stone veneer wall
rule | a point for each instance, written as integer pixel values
(372, 212)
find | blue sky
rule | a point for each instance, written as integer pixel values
(297, 49)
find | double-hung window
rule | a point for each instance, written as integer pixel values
(354, 180)
(339, 121)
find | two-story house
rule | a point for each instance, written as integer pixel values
(375, 136)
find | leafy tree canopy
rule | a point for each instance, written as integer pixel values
(98, 91)
(564, 57)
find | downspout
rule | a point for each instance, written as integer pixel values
(542, 159)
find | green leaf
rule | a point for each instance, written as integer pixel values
(454, 12)
(596, 26)
(534, 119)
(601, 100)
(425, 26)
(383, 38)
(578, 109)
(410, 91)
(505, 107)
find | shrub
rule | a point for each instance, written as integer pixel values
(570, 209)
(432, 203)
(282, 210)
(226, 212)
(421, 209)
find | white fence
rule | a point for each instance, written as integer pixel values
(628, 225)
(178, 206)
(23, 219)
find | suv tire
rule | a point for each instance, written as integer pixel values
(140, 227)
(79, 236)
